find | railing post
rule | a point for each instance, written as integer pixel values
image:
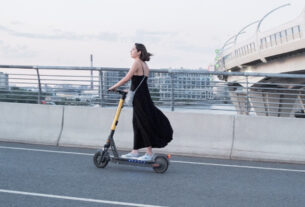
(210, 84)
(101, 88)
(171, 75)
(205, 89)
(91, 71)
(247, 95)
(39, 85)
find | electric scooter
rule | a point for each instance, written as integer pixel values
(159, 163)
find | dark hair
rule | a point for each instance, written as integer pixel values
(145, 56)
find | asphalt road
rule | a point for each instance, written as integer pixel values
(44, 176)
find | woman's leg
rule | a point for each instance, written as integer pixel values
(148, 155)
(149, 150)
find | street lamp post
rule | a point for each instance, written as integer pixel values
(258, 27)
(261, 20)
(91, 61)
(242, 31)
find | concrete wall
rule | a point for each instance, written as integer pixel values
(269, 138)
(194, 135)
(201, 134)
(90, 127)
(30, 123)
(211, 135)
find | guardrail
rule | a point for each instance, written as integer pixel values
(254, 93)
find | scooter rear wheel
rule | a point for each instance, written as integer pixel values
(101, 159)
(161, 164)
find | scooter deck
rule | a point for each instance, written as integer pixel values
(129, 161)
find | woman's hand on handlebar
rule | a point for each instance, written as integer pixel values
(118, 90)
(112, 89)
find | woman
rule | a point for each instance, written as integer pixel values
(150, 126)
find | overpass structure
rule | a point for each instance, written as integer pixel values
(280, 50)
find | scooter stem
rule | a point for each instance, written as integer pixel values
(117, 114)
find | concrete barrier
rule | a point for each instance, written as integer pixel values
(269, 139)
(90, 127)
(30, 123)
(211, 135)
(201, 134)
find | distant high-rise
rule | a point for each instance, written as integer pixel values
(3, 80)
(186, 86)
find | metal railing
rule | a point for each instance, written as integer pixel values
(249, 93)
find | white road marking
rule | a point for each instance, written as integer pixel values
(173, 161)
(51, 151)
(74, 198)
(240, 166)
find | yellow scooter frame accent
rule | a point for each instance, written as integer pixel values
(117, 114)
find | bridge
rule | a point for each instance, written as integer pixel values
(52, 122)
(49, 105)
(238, 131)
(279, 50)
(46, 159)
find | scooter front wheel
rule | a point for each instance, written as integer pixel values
(161, 164)
(101, 159)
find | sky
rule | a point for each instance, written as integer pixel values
(179, 33)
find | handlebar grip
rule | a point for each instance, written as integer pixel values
(120, 92)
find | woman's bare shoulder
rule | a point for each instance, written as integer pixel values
(137, 63)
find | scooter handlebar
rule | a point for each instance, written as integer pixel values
(122, 92)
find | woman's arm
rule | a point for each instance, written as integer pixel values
(127, 77)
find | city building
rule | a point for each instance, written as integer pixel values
(185, 86)
(4, 81)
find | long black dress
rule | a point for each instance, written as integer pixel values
(150, 126)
